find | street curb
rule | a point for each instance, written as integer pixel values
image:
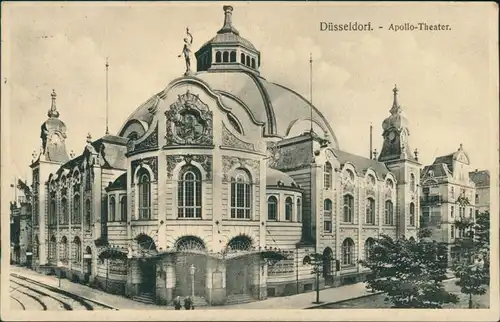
(83, 297)
(341, 301)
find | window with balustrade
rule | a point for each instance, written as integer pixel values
(144, 185)
(389, 213)
(348, 252)
(370, 211)
(348, 208)
(241, 195)
(189, 193)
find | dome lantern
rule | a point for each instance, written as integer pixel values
(228, 50)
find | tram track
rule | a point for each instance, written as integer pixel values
(52, 298)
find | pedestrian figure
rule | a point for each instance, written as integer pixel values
(188, 303)
(177, 303)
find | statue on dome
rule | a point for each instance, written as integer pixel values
(186, 51)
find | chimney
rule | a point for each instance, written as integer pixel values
(228, 21)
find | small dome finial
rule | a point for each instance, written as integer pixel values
(396, 108)
(228, 21)
(461, 146)
(89, 138)
(53, 110)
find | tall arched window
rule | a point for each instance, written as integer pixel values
(88, 180)
(253, 63)
(389, 213)
(327, 176)
(299, 210)
(64, 211)
(370, 211)
(370, 242)
(412, 214)
(241, 195)
(288, 208)
(348, 208)
(77, 244)
(123, 208)
(144, 194)
(77, 212)
(233, 57)
(242, 60)
(52, 213)
(272, 208)
(218, 57)
(88, 215)
(248, 61)
(348, 252)
(52, 248)
(225, 57)
(112, 209)
(412, 182)
(189, 193)
(327, 220)
(65, 250)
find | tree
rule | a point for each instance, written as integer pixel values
(409, 272)
(472, 279)
(317, 269)
(482, 231)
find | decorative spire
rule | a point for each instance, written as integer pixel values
(89, 138)
(53, 113)
(461, 147)
(228, 21)
(107, 107)
(375, 154)
(311, 88)
(396, 108)
(416, 154)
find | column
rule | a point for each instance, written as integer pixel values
(208, 280)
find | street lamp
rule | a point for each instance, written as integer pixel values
(192, 270)
(59, 265)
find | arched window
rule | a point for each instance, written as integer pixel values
(189, 193)
(348, 252)
(218, 57)
(412, 214)
(123, 208)
(327, 220)
(248, 61)
(327, 176)
(370, 242)
(348, 208)
(272, 208)
(77, 246)
(88, 180)
(88, 215)
(77, 211)
(65, 250)
(52, 248)
(144, 194)
(412, 182)
(299, 210)
(242, 58)
(253, 63)
(64, 211)
(370, 211)
(225, 57)
(241, 195)
(389, 213)
(288, 208)
(52, 213)
(112, 209)
(327, 262)
(233, 57)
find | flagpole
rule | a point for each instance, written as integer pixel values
(310, 89)
(107, 104)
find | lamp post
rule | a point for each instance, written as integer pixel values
(192, 270)
(59, 265)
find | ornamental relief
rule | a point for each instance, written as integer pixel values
(189, 122)
(204, 160)
(348, 186)
(388, 194)
(230, 140)
(370, 191)
(150, 143)
(229, 162)
(152, 162)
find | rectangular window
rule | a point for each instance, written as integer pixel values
(452, 231)
(327, 226)
(452, 209)
(470, 213)
(477, 198)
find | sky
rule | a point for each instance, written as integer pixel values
(448, 81)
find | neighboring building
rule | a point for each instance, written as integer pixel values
(448, 195)
(481, 178)
(20, 225)
(212, 187)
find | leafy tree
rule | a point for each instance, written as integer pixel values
(409, 272)
(317, 268)
(472, 279)
(482, 230)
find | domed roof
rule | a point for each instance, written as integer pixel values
(274, 176)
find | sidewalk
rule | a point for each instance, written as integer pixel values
(298, 301)
(116, 301)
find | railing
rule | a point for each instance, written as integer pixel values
(432, 199)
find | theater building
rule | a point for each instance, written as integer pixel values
(217, 187)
